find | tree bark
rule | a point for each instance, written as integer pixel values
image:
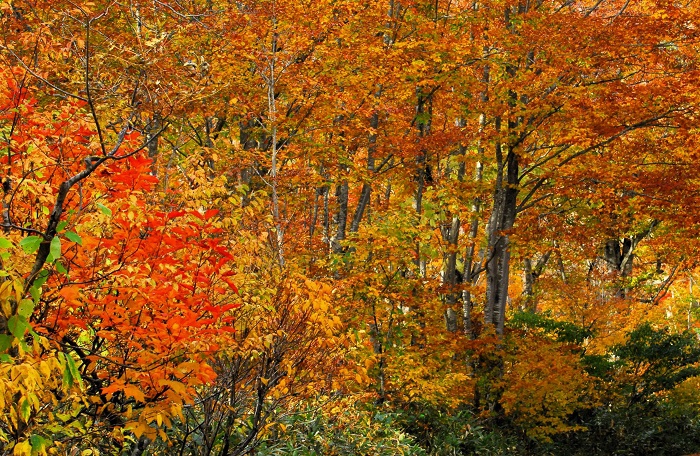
(450, 234)
(341, 219)
(531, 273)
(366, 193)
(501, 222)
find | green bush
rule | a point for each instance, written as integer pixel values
(355, 432)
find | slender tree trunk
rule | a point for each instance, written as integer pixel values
(422, 176)
(501, 221)
(423, 120)
(619, 255)
(366, 193)
(341, 193)
(314, 212)
(154, 129)
(326, 215)
(450, 234)
(471, 274)
(504, 204)
(274, 169)
(530, 275)
(320, 206)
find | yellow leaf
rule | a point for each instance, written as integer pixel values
(133, 391)
(178, 387)
(176, 409)
(45, 369)
(5, 290)
(138, 428)
(23, 449)
(6, 308)
(19, 290)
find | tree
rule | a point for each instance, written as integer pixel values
(96, 255)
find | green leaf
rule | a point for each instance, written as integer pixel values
(73, 237)
(39, 444)
(30, 244)
(25, 410)
(55, 252)
(70, 364)
(35, 291)
(60, 268)
(67, 377)
(17, 325)
(41, 278)
(5, 244)
(105, 210)
(26, 307)
(5, 342)
(63, 417)
(61, 225)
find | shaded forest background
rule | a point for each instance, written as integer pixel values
(349, 228)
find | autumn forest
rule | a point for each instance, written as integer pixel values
(344, 227)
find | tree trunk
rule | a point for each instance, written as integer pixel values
(530, 274)
(366, 193)
(450, 234)
(619, 255)
(500, 223)
(341, 219)
(471, 273)
(154, 128)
